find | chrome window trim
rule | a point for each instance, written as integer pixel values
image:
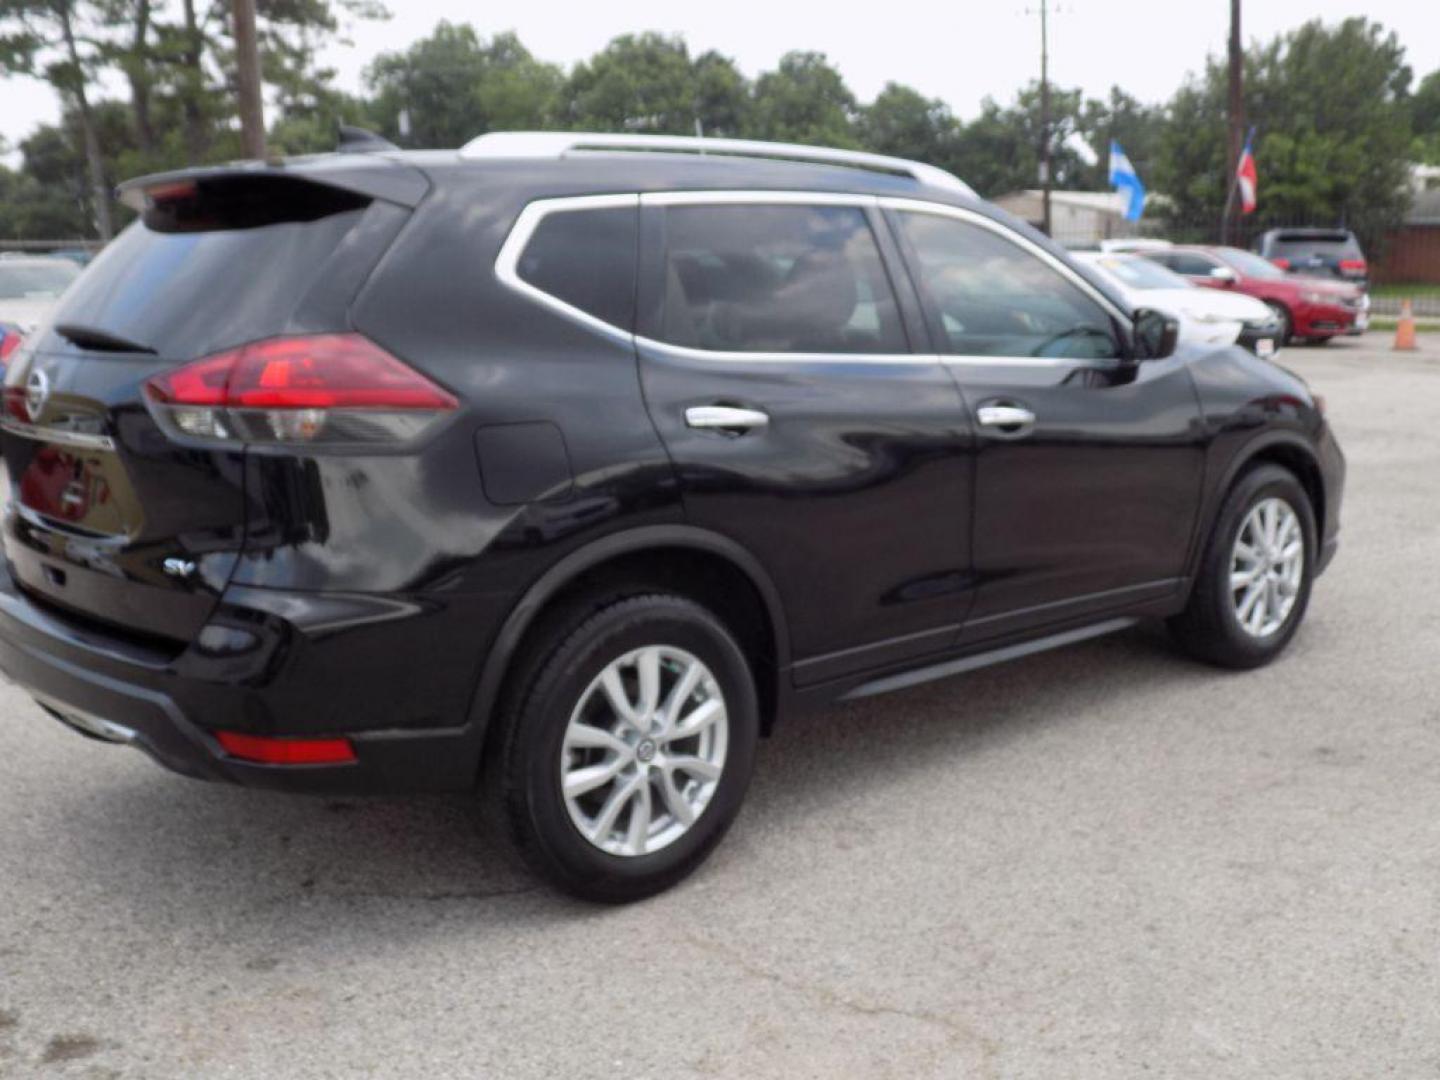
(507, 270)
(686, 352)
(507, 263)
(747, 197)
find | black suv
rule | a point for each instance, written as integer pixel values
(1333, 253)
(561, 467)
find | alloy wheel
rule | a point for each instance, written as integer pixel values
(644, 750)
(1267, 566)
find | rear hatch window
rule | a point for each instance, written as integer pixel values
(218, 269)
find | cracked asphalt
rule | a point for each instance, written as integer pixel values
(1102, 862)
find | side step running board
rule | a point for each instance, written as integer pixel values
(986, 659)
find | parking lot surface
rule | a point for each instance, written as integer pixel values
(1101, 862)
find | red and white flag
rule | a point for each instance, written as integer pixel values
(1246, 178)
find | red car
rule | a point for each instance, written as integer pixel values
(1312, 309)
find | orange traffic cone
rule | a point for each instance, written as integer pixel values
(1405, 328)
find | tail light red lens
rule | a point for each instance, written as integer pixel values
(320, 388)
(10, 339)
(1354, 265)
(1282, 262)
(271, 751)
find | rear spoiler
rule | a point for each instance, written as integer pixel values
(367, 175)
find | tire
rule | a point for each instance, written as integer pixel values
(1210, 627)
(548, 726)
(1287, 324)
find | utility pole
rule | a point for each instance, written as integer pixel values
(247, 80)
(1235, 115)
(1045, 112)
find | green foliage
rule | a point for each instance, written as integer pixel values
(454, 85)
(1337, 122)
(1332, 113)
(904, 123)
(804, 100)
(1425, 119)
(639, 82)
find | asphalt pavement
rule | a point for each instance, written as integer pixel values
(1103, 862)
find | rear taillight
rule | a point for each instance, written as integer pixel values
(1282, 262)
(1355, 266)
(316, 389)
(10, 339)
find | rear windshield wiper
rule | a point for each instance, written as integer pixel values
(90, 337)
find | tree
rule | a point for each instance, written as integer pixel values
(1138, 128)
(454, 85)
(804, 100)
(1000, 150)
(1425, 118)
(63, 42)
(1332, 113)
(638, 82)
(904, 123)
(722, 95)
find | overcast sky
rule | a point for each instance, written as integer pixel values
(959, 52)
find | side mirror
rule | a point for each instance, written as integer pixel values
(1156, 334)
(1224, 275)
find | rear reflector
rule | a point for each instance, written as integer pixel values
(324, 388)
(268, 751)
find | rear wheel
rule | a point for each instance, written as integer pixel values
(626, 748)
(1255, 577)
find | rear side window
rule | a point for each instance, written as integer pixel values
(1341, 244)
(801, 279)
(587, 258)
(212, 281)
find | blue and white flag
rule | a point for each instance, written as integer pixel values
(1123, 178)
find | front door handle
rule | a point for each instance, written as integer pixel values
(725, 418)
(1005, 416)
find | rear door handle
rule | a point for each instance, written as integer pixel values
(1005, 416)
(725, 418)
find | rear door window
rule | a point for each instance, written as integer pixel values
(587, 258)
(781, 278)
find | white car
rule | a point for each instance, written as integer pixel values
(1206, 316)
(29, 287)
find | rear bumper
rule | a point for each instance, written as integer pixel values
(162, 705)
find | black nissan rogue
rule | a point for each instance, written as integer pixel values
(561, 467)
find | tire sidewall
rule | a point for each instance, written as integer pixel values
(1263, 483)
(538, 749)
(1287, 324)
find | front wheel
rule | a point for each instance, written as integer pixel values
(1255, 577)
(627, 748)
(1287, 325)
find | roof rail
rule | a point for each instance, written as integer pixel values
(559, 143)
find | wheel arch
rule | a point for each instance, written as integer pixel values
(1287, 449)
(649, 554)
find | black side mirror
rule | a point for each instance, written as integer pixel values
(1156, 334)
